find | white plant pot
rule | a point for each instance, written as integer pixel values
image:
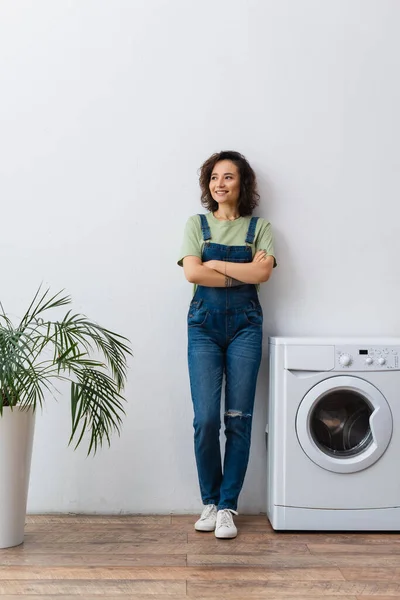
(16, 439)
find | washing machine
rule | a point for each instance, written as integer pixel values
(333, 434)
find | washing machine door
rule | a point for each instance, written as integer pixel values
(344, 424)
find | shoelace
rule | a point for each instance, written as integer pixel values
(208, 510)
(226, 517)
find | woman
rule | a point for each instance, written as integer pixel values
(226, 254)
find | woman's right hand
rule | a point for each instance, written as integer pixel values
(259, 256)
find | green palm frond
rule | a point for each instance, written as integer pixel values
(76, 329)
(91, 358)
(96, 406)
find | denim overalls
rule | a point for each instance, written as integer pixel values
(224, 335)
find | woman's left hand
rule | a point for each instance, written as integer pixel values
(211, 264)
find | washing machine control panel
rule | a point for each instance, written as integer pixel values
(367, 358)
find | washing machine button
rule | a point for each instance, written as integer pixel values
(381, 360)
(369, 360)
(345, 360)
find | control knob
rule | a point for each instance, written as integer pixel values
(369, 360)
(381, 360)
(345, 360)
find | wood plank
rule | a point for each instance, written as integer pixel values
(266, 574)
(98, 519)
(257, 537)
(106, 537)
(117, 527)
(97, 549)
(271, 595)
(238, 589)
(351, 549)
(370, 574)
(210, 547)
(374, 597)
(99, 596)
(180, 597)
(93, 559)
(168, 573)
(84, 588)
(293, 561)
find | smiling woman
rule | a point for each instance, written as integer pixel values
(226, 254)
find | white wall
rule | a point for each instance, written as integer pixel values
(107, 109)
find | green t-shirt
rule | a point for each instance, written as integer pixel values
(229, 233)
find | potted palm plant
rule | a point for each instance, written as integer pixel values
(34, 354)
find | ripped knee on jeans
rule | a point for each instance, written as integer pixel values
(237, 413)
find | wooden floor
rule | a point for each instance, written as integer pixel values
(162, 557)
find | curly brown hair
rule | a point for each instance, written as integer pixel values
(249, 196)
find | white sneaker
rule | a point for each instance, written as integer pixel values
(225, 527)
(208, 519)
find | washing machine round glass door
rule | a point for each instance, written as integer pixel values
(344, 424)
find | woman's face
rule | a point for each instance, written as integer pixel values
(225, 183)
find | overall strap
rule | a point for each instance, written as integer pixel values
(251, 230)
(205, 229)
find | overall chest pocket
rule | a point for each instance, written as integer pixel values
(239, 254)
